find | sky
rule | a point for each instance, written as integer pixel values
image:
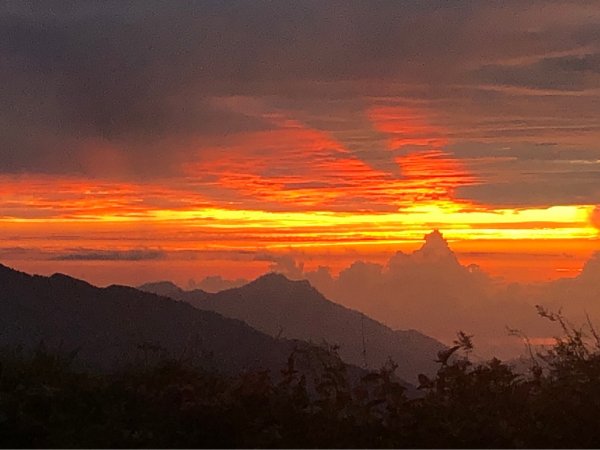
(178, 140)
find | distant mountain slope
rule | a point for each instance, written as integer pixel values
(294, 309)
(169, 289)
(108, 325)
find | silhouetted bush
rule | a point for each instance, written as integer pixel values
(316, 401)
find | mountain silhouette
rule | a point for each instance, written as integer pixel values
(280, 307)
(170, 289)
(118, 325)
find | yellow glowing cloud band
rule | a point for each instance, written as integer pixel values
(557, 222)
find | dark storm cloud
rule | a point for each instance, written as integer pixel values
(570, 73)
(130, 81)
(544, 151)
(530, 174)
(581, 188)
(141, 77)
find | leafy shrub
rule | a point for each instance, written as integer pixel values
(316, 401)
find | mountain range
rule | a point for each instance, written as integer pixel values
(117, 325)
(255, 326)
(280, 308)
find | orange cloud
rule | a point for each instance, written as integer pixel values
(406, 127)
(292, 187)
(32, 197)
(297, 167)
(433, 174)
(595, 217)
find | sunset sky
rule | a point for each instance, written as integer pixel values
(176, 140)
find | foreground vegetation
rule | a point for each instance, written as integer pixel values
(46, 402)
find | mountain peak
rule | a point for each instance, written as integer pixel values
(164, 288)
(7, 273)
(272, 278)
(275, 276)
(277, 280)
(67, 280)
(161, 285)
(4, 268)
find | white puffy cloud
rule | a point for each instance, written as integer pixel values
(431, 291)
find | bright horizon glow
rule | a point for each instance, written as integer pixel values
(293, 190)
(316, 233)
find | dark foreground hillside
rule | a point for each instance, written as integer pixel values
(44, 402)
(113, 326)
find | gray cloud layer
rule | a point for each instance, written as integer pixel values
(140, 78)
(111, 255)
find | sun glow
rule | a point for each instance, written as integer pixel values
(290, 188)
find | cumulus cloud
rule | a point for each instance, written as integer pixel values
(282, 263)
(431, 291)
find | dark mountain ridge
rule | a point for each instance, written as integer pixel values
(170, 289)
(280, 307)
(114, 325)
